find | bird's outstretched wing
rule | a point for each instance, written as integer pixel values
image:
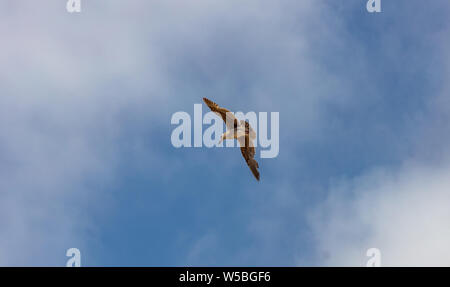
(248, 152)
(246, 144)
(227, 116)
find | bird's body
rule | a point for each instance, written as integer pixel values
(240, 130)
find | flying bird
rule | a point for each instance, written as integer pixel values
(240, 130)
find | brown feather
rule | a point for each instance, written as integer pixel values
(248, 152)
(223, 113)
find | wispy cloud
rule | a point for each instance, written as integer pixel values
(404, 213)
(85, 154)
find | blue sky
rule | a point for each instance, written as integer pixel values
(85, 153)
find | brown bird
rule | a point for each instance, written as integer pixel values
(240, 130)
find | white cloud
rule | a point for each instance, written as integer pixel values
(403, 212)
(70, 82)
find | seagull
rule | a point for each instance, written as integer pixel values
(240, 130)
